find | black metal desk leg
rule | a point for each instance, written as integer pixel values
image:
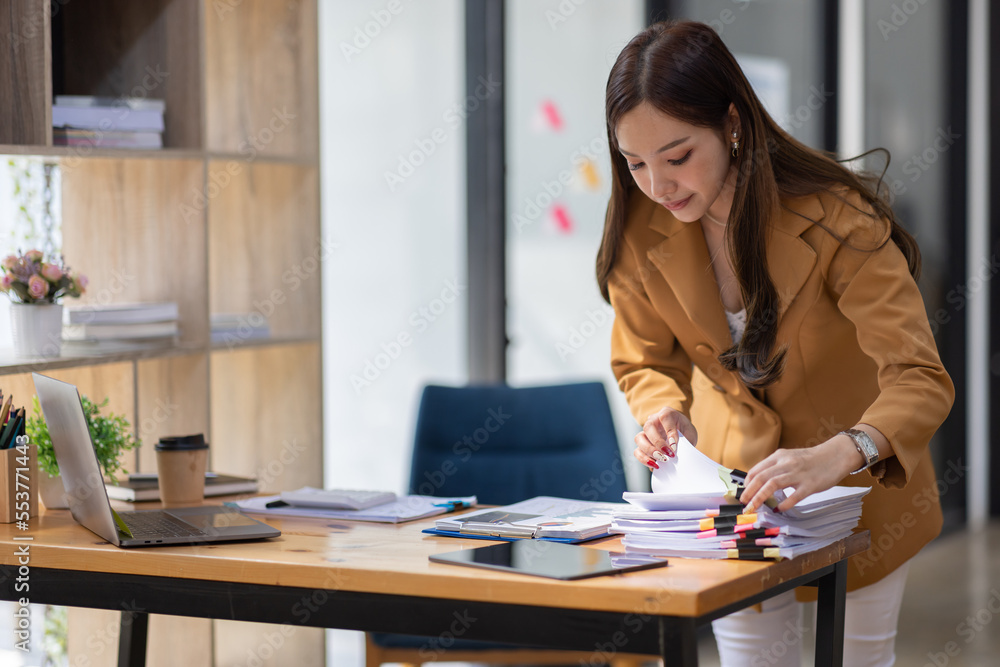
(132, 640)
(830, 617)
(679, 642)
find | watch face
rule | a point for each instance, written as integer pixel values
(865, 444)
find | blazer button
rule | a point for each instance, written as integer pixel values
(746, 409)
(701, 348)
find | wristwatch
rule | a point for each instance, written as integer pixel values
(865, 445)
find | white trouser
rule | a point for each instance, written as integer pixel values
(773, 636)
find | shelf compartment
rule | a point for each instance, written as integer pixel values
(266, 415)
(136, 229)
(265, 251)
(116, 48)
(261, 80)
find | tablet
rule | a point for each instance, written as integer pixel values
(542, 558)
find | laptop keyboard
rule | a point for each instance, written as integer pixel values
(157, 524)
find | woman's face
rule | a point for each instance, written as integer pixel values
(685, 168)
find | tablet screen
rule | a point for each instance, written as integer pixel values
(542, 558)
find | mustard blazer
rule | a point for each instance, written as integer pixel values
(859, 350)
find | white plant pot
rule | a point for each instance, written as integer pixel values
(51, 491)
(36, 329)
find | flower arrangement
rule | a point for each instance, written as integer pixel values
(28, 278)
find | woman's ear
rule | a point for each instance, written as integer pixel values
(734, 121)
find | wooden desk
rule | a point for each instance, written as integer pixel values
(374, 577)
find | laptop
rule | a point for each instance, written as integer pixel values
(88, 499)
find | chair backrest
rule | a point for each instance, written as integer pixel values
(505, 444)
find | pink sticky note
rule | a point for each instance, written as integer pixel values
(561, 217)
(552, 115)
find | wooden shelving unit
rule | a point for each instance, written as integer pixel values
(224, 219)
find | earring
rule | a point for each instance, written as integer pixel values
(736, 145)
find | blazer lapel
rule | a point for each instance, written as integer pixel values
(683, 260)
(790, 259)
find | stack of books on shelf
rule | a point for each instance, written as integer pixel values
(695, 511)
(107, 122)
(235, 328)
(98, 329)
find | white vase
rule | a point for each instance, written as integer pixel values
(36, 329)
(51, 491)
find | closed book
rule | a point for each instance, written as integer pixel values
(107, 118)
(138, 330)
(71, 136)
(101, 101)
(140, 487)
(121, 313)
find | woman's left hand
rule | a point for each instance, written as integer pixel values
(808, 470)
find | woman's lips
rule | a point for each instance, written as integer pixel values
(677, 204)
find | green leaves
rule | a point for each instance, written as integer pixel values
(111, 435)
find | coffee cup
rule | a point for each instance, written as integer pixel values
(181, 462)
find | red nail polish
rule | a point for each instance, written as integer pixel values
(670, 453)
(653, 465)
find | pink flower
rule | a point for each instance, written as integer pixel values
(51, 272)
(34, 255)
(6, 282)
(37, 287)
(9, 262)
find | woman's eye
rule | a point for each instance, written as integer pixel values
(633, 166)
(681, 160)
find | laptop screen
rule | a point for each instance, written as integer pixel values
(88, 499)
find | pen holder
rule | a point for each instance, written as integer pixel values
(18, 484)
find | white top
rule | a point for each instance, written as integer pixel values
(737, 324)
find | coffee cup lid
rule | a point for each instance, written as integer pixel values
(178, 442)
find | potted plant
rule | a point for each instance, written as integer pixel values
(110, 433)
(35, 287)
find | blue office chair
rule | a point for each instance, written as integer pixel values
(505, 444)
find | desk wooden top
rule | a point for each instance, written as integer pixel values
(385, 558)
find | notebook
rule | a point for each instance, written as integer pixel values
(88, 499)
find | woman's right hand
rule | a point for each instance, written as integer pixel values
(658, 439)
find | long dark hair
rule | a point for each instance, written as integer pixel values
(684, 70)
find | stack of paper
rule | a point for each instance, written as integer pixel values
(693, 512)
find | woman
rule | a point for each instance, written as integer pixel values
(767, 309)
